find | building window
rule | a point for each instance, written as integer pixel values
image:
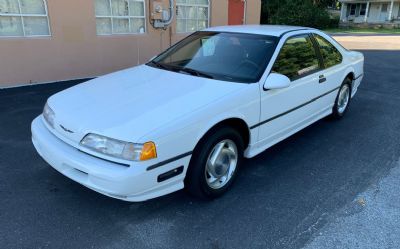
(120, 17)
(385, 7)
(363, 9)
(353, 8)
(23, 18)
(192, 15)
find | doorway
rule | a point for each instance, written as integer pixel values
(236, 9)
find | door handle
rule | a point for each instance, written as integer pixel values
(322, 79)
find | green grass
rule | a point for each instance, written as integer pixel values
(363, 31)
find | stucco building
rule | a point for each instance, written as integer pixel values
(54, 40)
(370, 13)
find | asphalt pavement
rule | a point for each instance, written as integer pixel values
(333, 185)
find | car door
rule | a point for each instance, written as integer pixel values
(331, 76)
(285, 111)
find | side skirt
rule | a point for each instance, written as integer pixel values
(255, 149)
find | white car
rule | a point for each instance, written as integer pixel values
(188, 117)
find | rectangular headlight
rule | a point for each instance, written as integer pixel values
(119, 149)
(49, 115)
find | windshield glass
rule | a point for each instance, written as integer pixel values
(217, 55)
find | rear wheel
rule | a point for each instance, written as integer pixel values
(342, 101)
(215, 163)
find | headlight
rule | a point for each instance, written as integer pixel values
(120, 149)
(48, 115)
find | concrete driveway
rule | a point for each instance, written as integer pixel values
(333, 185)
(369, 42)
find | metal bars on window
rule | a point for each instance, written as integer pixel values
(110, 20)
(192, 15)
(24, 18)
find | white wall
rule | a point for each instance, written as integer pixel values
(375, 12)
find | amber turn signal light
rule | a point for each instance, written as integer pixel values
(148, 152)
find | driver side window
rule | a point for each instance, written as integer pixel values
(297, 58)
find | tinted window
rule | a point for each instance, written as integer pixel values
(329, 53)
(224, 56)
(297, 58)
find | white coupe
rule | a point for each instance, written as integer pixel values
(188, 117)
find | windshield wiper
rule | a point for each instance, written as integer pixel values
(181, 69)
(159, 65)
(196, 72)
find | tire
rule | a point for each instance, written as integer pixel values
(343, 100)
(201, 173)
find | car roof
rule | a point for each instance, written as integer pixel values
(272, 30)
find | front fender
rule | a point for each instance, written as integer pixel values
(182, 135)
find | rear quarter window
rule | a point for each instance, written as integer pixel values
(329, 52)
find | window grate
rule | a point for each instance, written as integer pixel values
(119, 17)
(22, 18)
(192, 15)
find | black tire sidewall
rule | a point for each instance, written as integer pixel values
(195, 180)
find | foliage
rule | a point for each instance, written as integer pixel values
(330, 54)
(310, 13)
(296, 58)
(325, 3)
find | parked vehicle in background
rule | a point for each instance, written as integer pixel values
(188, 117)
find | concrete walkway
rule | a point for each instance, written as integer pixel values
(372, 42)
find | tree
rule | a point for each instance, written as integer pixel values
(324, 3)
(310, 13)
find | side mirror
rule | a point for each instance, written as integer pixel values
(276, 81)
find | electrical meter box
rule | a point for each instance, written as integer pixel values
(158, 9)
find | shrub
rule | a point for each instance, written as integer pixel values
(310, 13)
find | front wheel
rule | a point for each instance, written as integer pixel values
(342, 101)
(215, 163)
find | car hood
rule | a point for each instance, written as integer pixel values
(129, 104)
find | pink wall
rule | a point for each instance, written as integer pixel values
(75, 51)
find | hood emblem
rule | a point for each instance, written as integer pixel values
(65, 129)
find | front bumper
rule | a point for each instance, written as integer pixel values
(133, 183)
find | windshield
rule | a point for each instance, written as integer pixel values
(232, 57)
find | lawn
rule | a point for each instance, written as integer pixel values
(363, 31)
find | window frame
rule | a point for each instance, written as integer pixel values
(319, 50)
(186, 19)
(112, 16)
(21, 15)
(317, 53)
